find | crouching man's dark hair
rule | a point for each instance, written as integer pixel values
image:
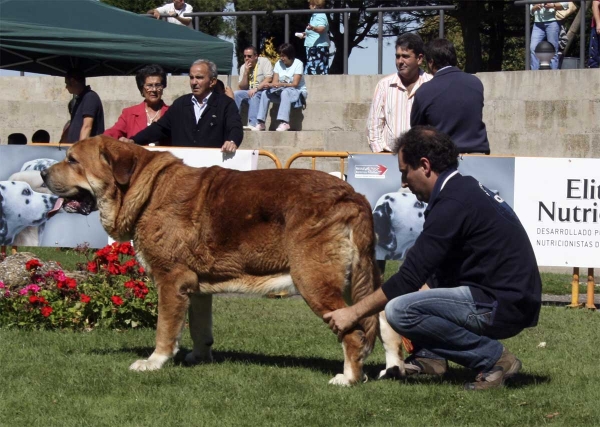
(428, 142)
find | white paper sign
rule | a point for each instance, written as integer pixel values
(558, 203)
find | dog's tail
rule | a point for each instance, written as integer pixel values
(365, 277)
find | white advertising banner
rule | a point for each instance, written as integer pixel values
(557, 201)
(23, 205)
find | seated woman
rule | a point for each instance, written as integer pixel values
(286, 88)
(151, 81)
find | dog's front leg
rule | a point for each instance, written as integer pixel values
(173, 300)
(200, 316)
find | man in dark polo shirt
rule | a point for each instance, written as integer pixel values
(488, 285)
(87, 114)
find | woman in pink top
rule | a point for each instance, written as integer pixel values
(151, 81)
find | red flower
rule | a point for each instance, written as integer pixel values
(92, 267)
(126, 249)
(129, 284)
(71, 283)
(46, 311)
(117, 300)
(113, 269)
(33, 299)
(32, 263)
(85, 299)
(141, 270)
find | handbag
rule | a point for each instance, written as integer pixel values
(565, 13)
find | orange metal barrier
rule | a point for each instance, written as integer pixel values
(589, 304)
(342, 155)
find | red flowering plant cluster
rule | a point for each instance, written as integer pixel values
(115, 294)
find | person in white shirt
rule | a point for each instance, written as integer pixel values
(175, 10)
(287, 88)
(389, 115)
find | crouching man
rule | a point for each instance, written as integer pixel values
(488, 286)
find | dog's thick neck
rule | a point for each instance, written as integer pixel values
(133, 197)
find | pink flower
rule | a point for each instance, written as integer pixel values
(7, 294)
(2, 286)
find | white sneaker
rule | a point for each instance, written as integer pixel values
(249, 127)
(258, 127)
(283, 126)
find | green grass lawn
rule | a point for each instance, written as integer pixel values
(273, 359)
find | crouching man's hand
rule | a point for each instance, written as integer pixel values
(341, 321)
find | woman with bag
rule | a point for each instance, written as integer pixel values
(545, 27)
(316, 40)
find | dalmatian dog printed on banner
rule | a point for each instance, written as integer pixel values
(398, 216)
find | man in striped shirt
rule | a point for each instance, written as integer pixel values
(389, 116)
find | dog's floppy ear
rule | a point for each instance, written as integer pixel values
(121, 159)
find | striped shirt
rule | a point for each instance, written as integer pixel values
(390, 111)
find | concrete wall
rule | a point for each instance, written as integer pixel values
(527, 113)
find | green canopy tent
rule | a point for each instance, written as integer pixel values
(50, 36)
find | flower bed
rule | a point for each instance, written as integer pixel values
(117, 294)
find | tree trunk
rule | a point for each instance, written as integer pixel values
(497, 25)
(469, 15)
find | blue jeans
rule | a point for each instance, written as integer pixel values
(544, 31)
(241, 97)
(447, 323)
(285, 98)
(594, 53)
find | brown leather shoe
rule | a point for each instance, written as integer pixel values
(506, 367)
(425, 366)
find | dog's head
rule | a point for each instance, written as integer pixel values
(22, 207)
(398, 220)
(99, 173)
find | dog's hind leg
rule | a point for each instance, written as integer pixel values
(320, 275)
(392, 343)
(173, 301)
(200, 318)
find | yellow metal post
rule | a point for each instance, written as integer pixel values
(590, 290)
(575, 290)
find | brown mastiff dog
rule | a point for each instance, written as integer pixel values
(201, 231)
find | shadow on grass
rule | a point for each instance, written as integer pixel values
(330, 367)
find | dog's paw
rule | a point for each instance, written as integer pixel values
(342, 380)
(194, 359)
(145, 365)
(392, 373)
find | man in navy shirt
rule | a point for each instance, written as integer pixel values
(488, 285)
(452, 101)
